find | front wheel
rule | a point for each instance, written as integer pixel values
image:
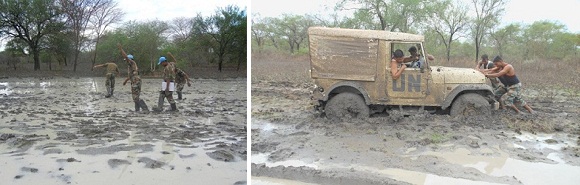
(347, 105)
(470, 104)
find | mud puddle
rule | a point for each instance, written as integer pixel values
(140, 163)
(517, 158)
(63, 131)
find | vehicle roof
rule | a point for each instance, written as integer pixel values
(371, 34)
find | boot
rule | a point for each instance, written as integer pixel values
(160, 102)
(174, 107)
(108, 92)
(143, 105)
(112, 89)
(178, 95)
(137, 106)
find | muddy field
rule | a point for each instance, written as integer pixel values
(293, 144)
(61, 130)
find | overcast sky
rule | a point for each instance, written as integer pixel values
(144, 10)
(516, 11)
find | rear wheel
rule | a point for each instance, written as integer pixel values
(470, 104)
(347, 105)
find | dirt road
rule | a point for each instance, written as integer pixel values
(292, 144)
(63, 131)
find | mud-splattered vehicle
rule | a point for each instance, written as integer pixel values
(351, 73)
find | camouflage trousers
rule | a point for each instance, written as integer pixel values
(110, 81)
(509, 95)
(163, 95)
(135, 88)
(179, 86)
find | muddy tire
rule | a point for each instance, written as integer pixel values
(470, 104)
(347, 105)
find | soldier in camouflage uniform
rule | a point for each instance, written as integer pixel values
(133, 76)
(168, 77)
(510, 92)
(180, 78)
(109, 77)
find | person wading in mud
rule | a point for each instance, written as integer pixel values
(110, 76)
(133, 76)
(168, 77)
(511, 92)
(180, 78)
(484, 64)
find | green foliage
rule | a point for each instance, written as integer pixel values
(30, 21)
(462, 30)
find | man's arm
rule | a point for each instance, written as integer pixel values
(396, 72)
(123, 52)
(489, 70)
(504, 71)
(125, 82)
(100, 65)
(410, 58)
(477, 66)
(172, 57)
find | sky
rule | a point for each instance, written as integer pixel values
(516, 11)
(145, 10)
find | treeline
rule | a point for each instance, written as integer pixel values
(69, 32)
(457, 29)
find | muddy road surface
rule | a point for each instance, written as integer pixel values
(64, 131)
(293, 144)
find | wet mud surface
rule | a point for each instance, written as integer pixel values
(64, 131)
(293, 144)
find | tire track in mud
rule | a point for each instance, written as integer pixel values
(284, 128)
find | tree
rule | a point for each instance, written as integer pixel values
(259, 32)
(394, 15)
(294, 28)
(30, 21)
(103, 17)
(487, 14)
(502, 37)
(181, 29)
(449, 20)
(222, 28)
(79, 14)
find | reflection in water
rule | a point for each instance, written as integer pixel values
(57, 168)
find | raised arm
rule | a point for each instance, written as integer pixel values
(172, 57)
(123, 52)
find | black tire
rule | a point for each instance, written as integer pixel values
(347, 105)
(470, 104)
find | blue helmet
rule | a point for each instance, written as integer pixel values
(161, 59)
(130, 56)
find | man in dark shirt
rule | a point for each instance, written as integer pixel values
(510, 93)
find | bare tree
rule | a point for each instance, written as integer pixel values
(449, 19)
(79, 13)
(182, 28)
(487, 14)
(104, 16)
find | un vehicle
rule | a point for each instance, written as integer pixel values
(352, 76)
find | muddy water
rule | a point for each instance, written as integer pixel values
(63, 131)
(513, 158)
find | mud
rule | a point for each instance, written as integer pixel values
(63, 131)
(293, 144)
